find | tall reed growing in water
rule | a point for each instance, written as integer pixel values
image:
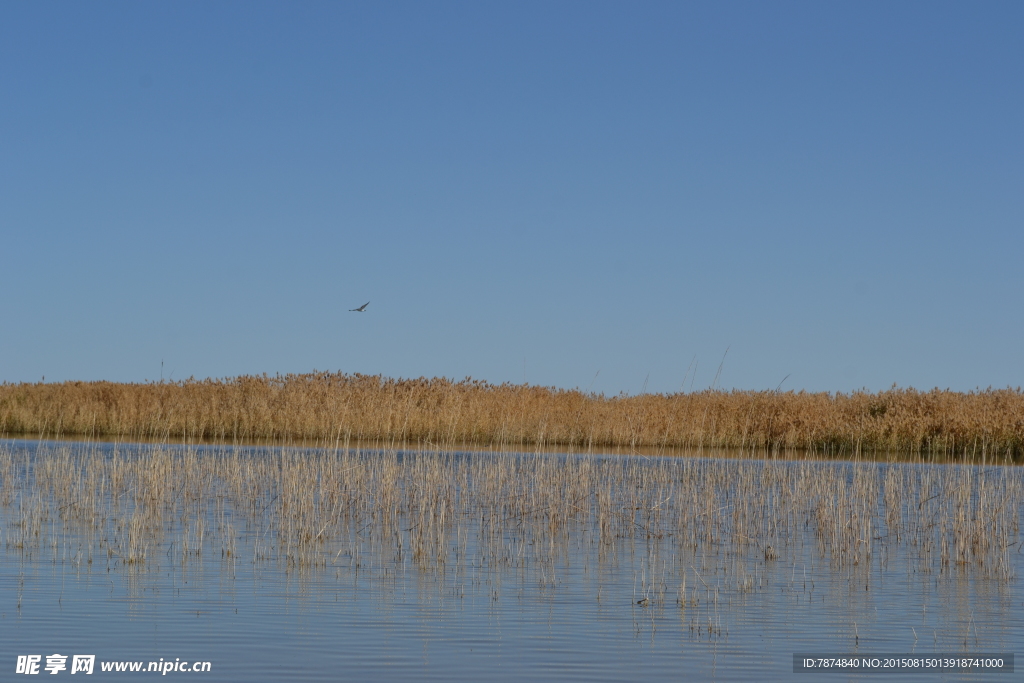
(311, 507)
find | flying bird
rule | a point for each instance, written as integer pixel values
(361, 308)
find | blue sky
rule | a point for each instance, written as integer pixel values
(593, 195)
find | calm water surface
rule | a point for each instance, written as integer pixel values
(365, 614)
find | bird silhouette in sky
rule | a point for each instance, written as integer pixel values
(360, 309)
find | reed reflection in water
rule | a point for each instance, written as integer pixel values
(726, 565)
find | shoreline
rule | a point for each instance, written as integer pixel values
(332, 408)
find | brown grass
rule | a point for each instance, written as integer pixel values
(337, 407)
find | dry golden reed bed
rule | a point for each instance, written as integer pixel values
(330, 407)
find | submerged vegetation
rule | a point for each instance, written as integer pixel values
(332, 408)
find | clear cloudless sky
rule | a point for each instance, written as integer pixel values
(580, 194)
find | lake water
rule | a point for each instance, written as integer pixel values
(622, 569)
